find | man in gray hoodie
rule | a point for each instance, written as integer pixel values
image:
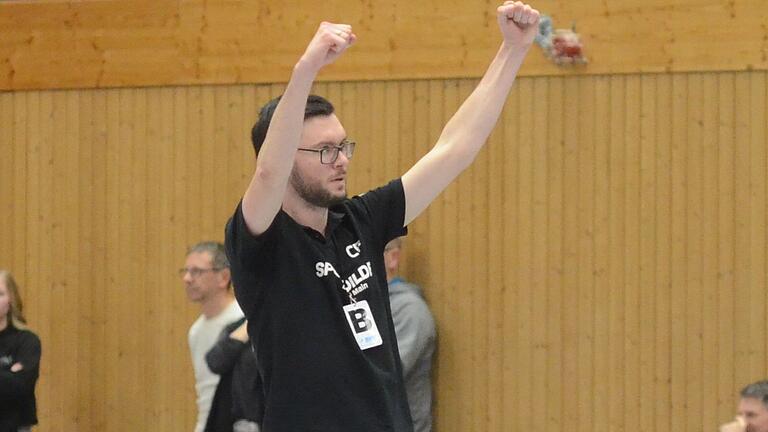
(416, 337)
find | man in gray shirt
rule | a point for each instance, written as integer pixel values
(416, 337)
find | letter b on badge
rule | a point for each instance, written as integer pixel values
(363, 325)
(359, 320)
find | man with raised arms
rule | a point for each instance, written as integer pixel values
(307, 261)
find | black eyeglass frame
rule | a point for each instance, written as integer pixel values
(347, 146)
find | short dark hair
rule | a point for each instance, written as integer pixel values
(316, 106)
(757, 390)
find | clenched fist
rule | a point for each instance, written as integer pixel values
(329, 42)
(519, 23)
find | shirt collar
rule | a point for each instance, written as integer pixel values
(334, 220)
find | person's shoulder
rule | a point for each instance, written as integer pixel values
(409, 297)
(29, 335)
(393, 186)
(195, 327)
(233, 312)
(26, 338)
(405, 288)
(242, 245)
(384, 195)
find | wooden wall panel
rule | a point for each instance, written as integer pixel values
(130, 43)
(601, 267)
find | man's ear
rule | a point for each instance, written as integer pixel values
(394, 256)
(226, 276)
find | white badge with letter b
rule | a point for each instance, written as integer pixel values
(363, 325)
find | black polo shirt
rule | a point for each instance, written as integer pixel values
(293, 284)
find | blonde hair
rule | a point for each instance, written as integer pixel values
(15, 311)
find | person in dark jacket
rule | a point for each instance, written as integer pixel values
(238, 404)
(19, 361)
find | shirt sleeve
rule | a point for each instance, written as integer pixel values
(385, 208)
(249, 255)
(240, 244)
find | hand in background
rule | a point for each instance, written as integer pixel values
(737, 425)
(240, 333)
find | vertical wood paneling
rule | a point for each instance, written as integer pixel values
(678, 290)
(557, 298)
(695, 291)
(757, 272)
(739, 199)
(730, 327)
(572, 393)
(494, 290)
(541, 350)
(663, 195)
(511, 375)
(8, 169)
(708, 238)
(97, 206)
(523, 140)
(631, 253)
(616, 263)
(647, 284)
(84, 189)
(601, 139)
(585, 252)
(601, 267)
(156, 370)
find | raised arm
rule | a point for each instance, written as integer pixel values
(264, 196)
(468, 129)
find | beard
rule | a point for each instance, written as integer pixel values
(314, 194)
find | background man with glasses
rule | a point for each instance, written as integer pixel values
(308, 263)
(208, 282)
(752, 411)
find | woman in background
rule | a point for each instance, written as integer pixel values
(19, 361)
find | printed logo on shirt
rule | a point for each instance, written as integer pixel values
(323, 268)
(353, 250)
(355, 284)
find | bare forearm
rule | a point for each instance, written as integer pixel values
(469, 128)
(264, 195)
(467, 131)
(277, 153)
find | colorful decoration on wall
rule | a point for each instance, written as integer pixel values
(562, 46)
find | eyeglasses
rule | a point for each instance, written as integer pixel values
(329, 154)
(195, 271)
